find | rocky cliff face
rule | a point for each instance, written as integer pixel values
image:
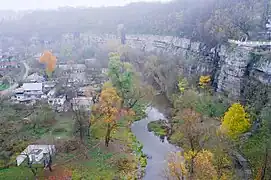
(229, 66)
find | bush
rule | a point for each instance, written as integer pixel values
(59, 130)
(211, 106)
(158, 128)
(140, 111)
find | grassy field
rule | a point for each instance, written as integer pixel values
(63, 128)
(89, 159)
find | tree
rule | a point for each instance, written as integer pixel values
(176, 167)
(49, 60)
(189, 133)
(235, 121)
(126, 82)
(82, 123)
(182, 84)
(204, 167)
(204, 81)
(109, 109)
(121, 33)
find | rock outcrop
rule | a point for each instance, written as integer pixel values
(228, 64)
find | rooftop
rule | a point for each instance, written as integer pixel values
(32, 86)
(72, 66)
(35, 153)
(35, 77)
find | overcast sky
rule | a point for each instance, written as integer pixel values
(49, 4)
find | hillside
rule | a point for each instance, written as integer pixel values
(211, 21)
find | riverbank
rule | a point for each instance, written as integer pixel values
(156, 150)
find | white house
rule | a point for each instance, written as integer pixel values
(57, 103)
(28, 92)
(82, 103)
(36, 154)
(35, 78)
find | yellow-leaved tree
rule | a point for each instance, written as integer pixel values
(109, 110)
(176, 166)
(204, 167)
(235, 121)
(204, 81)
(182, 84)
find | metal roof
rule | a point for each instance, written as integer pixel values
(32, 86)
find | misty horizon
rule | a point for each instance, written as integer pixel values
(54, 4)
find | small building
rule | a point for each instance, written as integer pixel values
(58, 103)
(33, 89)
(82, 103)
(51, 93)
(36, 154)
(48, 86)
(28, 92)
(35, 78)
(75, 68)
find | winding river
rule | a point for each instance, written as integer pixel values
(152, 145)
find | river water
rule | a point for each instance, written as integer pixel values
(152, 145)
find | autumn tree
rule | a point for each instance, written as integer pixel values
(49, 60)
(182, 84)
(235, 121)
(204, 81)
(108, 110)
(189, 133)
(204, 167)
(176, 168)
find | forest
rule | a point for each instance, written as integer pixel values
(211, 21)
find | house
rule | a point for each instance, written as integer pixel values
(48, 85)
(36, 154)
(75, 73)
(82, 103)
(51, 93)
(74, 68)
(28, 92)
(35, 78)
(58, 103)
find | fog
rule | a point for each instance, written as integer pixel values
(52, 4)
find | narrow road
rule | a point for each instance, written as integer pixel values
(15, 85)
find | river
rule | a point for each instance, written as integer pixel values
(152, 145)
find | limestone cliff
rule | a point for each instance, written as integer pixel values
(229, 65)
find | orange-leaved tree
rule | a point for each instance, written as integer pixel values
(49, 60)
(235, 121)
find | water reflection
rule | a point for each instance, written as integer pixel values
(156, 149)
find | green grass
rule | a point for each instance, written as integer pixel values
(18, 173)
(63, 128)
(98, 166)
(158, 128)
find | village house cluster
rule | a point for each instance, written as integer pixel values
(73, 89)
